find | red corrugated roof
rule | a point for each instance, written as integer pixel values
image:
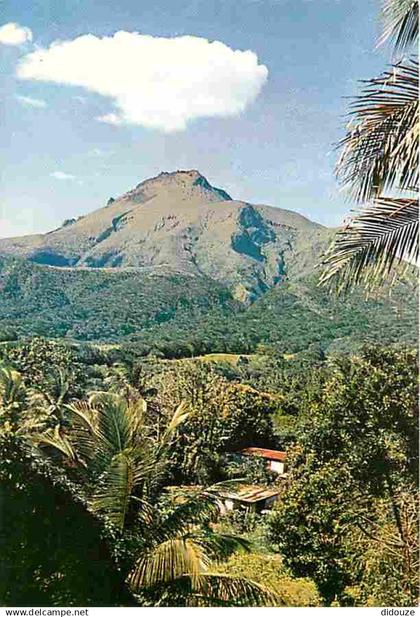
(273, 455)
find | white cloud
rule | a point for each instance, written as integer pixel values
(13, 34)
(110, 119)
(155, 82)
(31, 102)
(61, 175)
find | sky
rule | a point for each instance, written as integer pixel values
(98, 96)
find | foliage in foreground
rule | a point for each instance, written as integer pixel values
(105, 451)
(346, 519)
(269, 571)
(104, 465)
(379, 166)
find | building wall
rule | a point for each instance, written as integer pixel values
(229, 504)
(276, 466)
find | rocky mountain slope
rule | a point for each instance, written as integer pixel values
(176, 267)
(181, 221)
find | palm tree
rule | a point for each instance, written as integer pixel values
(52, 396)
(178, 563)
(110, 442)
(379, 166)
(111, 452)
(401, 23)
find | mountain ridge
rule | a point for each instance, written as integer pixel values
(179, 219)
(175, 266)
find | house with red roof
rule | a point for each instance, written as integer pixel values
(276, 459)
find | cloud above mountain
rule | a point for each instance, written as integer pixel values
(14, 34)
(159, 83)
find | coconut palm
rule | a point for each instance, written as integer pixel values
(401, 23)
(379, 166)
(52, 396)
(178, 563)
(111, 443)
(111, 452)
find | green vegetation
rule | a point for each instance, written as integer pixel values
(176, 315)
(379, 164)
(103, 305)
(109, 442)
(128, 394)
(347, 518)
(107, 458)
(268, 570)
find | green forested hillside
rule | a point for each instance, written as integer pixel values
(295, 315)
(177, 314)
(120, 462)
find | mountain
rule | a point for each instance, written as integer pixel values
(177, 267)
(179, 220)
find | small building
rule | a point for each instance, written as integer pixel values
(276, 459)
(248, 496)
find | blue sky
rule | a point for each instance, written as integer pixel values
(274, 147)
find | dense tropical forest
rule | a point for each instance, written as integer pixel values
(101, 447)
(174, 314)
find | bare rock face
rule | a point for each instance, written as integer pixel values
(179, 220)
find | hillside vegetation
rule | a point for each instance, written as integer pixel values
(177, 314)
(126, 454)
(178, 268)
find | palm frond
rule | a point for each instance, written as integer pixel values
(12, 389)
(117, 485)
(180, 566)
(179, 416)
(220, 546)
(401, 23)
(118, 424)
(375, 240)
(201, 509)
(83, 416)
(168, 561)
(380, 150)
(184, 544)
(213, 589)
(59, 442)
(83, 429)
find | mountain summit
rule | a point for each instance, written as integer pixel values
(187, 183)
(180, 221)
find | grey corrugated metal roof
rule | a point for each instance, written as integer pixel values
(249, 493)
